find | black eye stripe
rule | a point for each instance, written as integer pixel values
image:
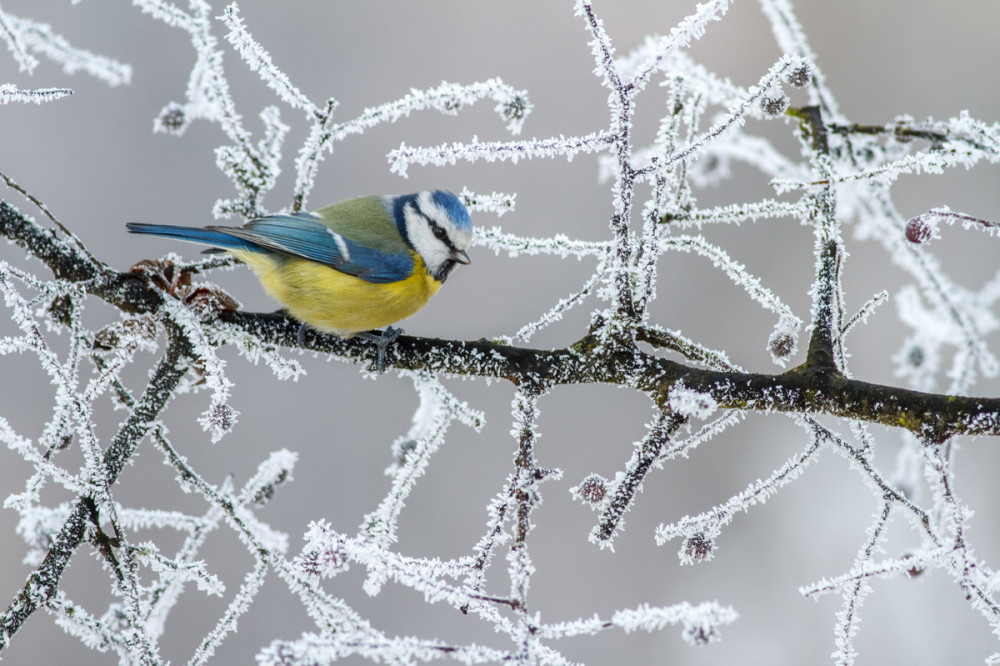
(435, 228)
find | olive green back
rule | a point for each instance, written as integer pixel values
(366, 221)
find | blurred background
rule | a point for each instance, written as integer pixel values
(95, 161)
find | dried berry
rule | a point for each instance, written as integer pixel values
(774, 104)
(918, 230)
(172, 119)
(593, 489)
(698, 547)
(781, 345)
(799, 77)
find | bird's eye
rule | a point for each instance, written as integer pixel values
(440, 233)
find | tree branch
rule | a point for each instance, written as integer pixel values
(43, 582)
(803, 389)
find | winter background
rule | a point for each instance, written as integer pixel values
(95, 161)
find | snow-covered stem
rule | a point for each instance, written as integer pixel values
(10, 93)
(25, 61)
(620, 103)
(828, 244)
(252, 582)
(706, 526)
(951, 217)
(258, 60)
(975, 580)
(526, 498)
(26, 37)
(528, 473)
(438, 410)
(402, 158)
(816, 393)
(556, 312)
(645, 454)
(322, 608)
(42, 584)
(737, 214)
(854, 595)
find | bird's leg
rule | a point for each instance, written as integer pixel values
(382, 341)
(301, 335)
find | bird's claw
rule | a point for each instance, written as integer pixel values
(382, 341)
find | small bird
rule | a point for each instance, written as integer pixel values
(350, 267)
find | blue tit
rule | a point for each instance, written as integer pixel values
(350, 267)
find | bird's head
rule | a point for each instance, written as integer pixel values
(437, 226)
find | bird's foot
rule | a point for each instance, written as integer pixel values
(382, 341)
(301, 335)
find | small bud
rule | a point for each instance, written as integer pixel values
(915, 570)
(696, 634)
(281, 654)
(698, 548)
(916, 356)
(403, 450)
(323, 563)
(172, 119)
(266, 492)
(592, 490)
(799, 77)
(515, 109)
(781, 345)
(774, 103)
(918, 230)
(219, 418)
(902, 132)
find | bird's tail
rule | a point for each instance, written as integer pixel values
(214, 237)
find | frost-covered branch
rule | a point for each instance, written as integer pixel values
(622, 493)
(10, 93)
(842, 178)
(43, 583)
(797, 390)
(26, 37)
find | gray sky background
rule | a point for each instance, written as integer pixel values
(94, 160)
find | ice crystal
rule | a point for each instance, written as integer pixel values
(687, 402)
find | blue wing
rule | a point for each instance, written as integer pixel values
(303, 235)
(299, 235)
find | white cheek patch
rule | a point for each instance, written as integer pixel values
(431, 250)
(462, 240)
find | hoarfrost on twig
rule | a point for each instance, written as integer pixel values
(843, 179)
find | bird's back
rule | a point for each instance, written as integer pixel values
(366, 221)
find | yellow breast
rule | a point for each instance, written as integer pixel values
(335, 302)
